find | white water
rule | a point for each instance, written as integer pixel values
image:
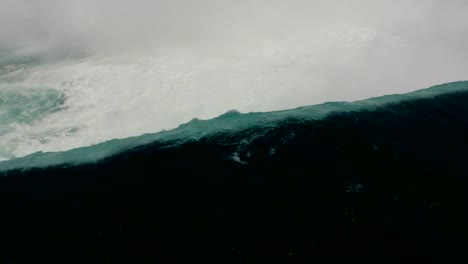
(132, 91)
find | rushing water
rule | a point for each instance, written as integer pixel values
(116, 69)
(380, 178)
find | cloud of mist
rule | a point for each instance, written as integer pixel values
(102, 25)
(122, 24)
(426, 39)
(432, 34)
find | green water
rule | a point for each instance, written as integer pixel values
(231, 121)
(23, 106)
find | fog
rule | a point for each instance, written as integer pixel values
(404, 44)
(105, 25)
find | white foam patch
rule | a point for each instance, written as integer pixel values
(117, 96)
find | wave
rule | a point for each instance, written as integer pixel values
(141, 89)
(111, 95)
(384, 175)
(230, 122)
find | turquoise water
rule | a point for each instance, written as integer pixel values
(23, 106)
(21, 103)
(231, 122)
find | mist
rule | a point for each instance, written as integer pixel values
(434, 30)
(361, 48)
(121, 24)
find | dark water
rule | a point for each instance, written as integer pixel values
(387, 185)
